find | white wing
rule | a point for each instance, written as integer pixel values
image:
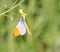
(21, 28)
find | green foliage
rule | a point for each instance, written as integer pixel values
(43, 19)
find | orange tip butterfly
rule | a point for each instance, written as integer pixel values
(21, 27)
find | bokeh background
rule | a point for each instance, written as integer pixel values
(43, 20)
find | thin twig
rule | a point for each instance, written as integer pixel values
(12, 8)
(14, 3)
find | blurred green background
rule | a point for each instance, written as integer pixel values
(43, 20)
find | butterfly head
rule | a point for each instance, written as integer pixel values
(23, 14)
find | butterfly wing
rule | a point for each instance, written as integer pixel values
(27, 28)
(21, 28)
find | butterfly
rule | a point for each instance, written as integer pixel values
(21, 28)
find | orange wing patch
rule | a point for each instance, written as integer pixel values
(16, 32)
